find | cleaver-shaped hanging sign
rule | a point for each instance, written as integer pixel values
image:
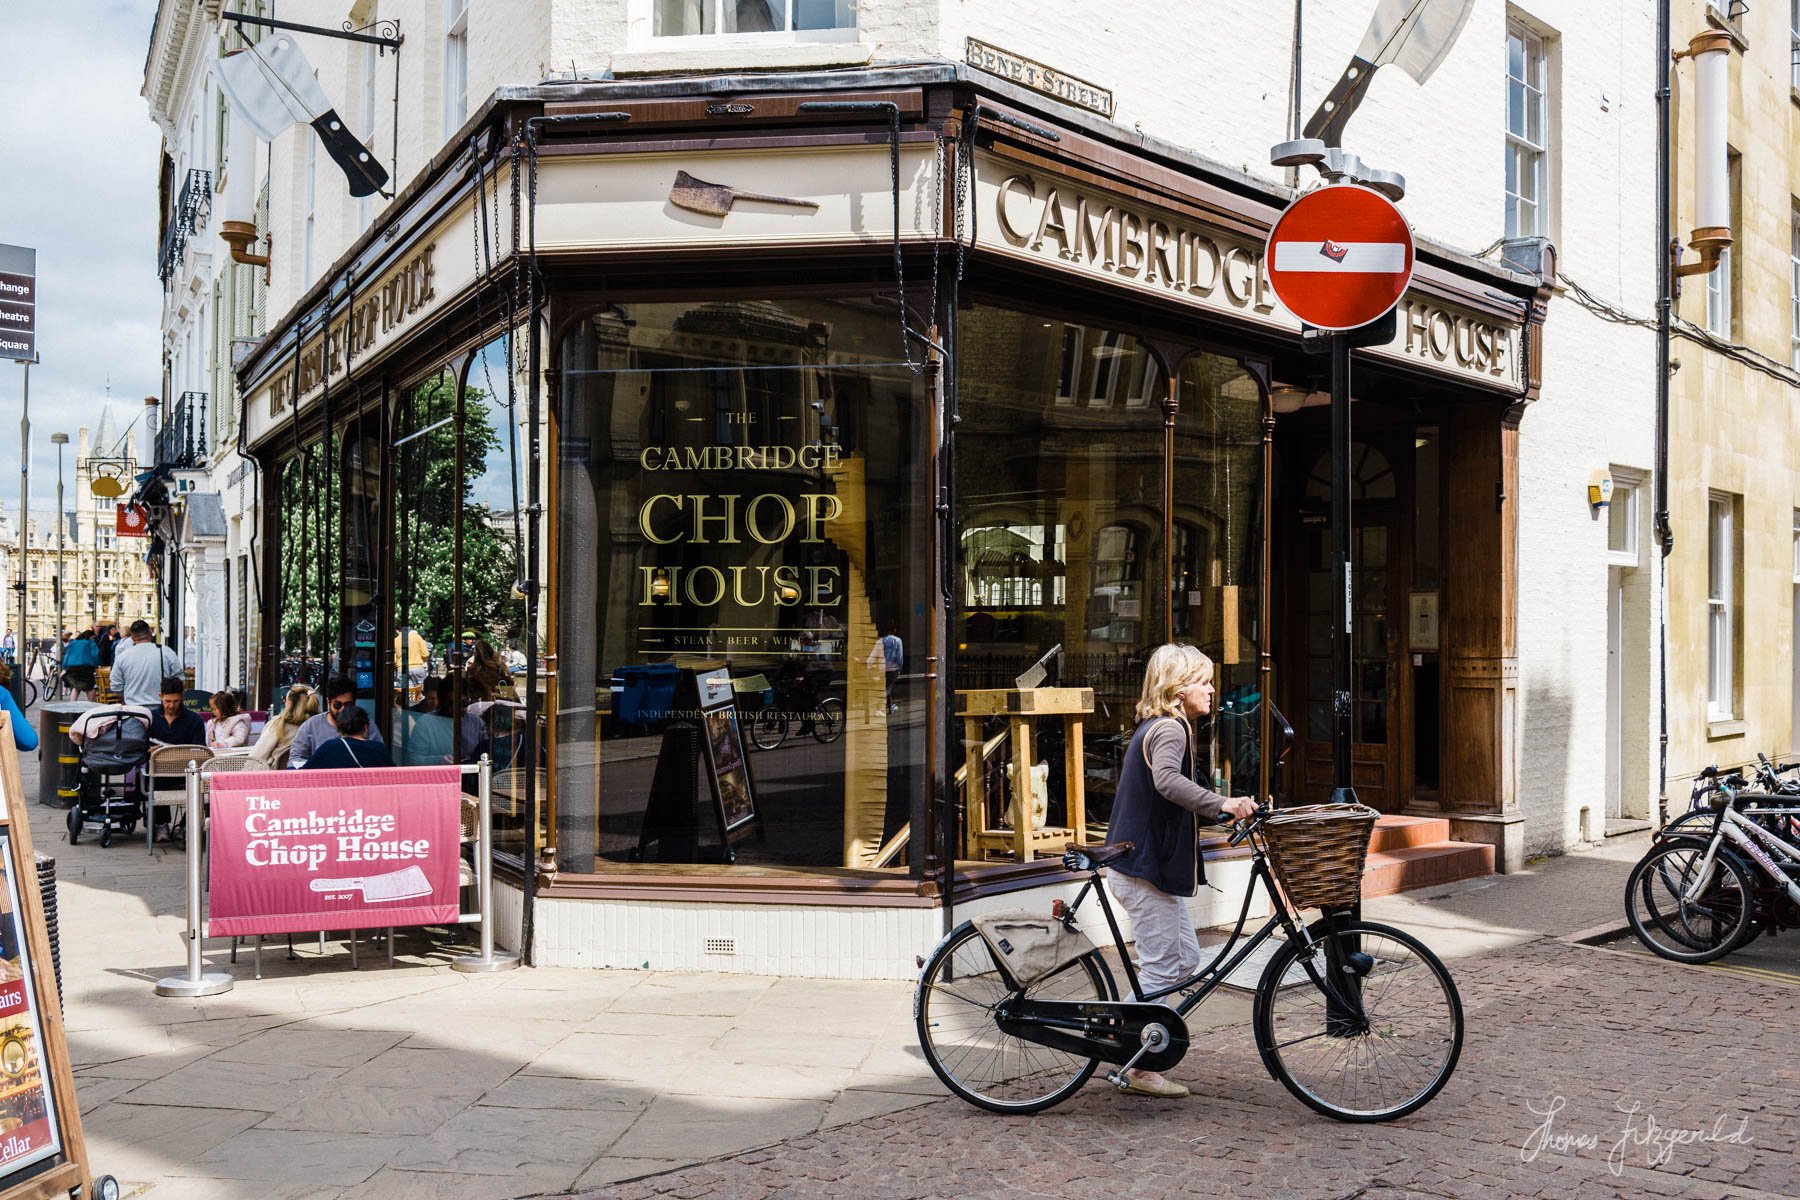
(271, 87)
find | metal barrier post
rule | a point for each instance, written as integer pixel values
(487, 960)
(197, 981)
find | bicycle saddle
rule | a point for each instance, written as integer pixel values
(1102, 854)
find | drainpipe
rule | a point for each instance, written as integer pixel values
(1665, 249)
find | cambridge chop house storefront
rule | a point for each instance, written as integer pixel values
(839, 403)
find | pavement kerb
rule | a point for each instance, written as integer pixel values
(1599, 934)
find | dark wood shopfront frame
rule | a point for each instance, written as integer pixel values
(943, 109)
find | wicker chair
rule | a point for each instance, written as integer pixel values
(168, 762)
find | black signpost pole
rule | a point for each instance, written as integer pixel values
(1343, 790)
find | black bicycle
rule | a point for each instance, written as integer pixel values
(1360, 1021)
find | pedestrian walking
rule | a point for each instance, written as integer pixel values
(1156, 811)
(890, 654)
(80, 659)
(139, 669)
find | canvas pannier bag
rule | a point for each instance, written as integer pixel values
(1028, 945)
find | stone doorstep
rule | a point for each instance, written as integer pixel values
(1391, 871)
(1393, 832)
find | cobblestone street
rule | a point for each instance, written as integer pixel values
(1585, 1072)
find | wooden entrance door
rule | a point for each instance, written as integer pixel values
(1380, 558)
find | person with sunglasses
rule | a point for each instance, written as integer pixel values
(340, 693)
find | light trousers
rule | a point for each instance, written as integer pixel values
(1168, 949)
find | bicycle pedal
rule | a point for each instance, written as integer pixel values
(1118, 1079)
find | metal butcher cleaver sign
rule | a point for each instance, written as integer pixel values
(271, 87)
(1414, 35)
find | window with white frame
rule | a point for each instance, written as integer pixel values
(1622, 525)
(764, 20)
(1797, 545)
(1721, 594)
(1794, 42)
(1719, 280)
(1794, 277)
(1527, 132)
(456, 65)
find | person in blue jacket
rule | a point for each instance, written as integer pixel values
(24, 736)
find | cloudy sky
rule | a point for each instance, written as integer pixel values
(79, 186)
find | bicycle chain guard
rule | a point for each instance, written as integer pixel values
(1110, 1030)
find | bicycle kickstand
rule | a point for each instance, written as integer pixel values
(1154, 1037)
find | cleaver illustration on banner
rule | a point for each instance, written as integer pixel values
(1414, 35)
(270, 87)
(408, 883)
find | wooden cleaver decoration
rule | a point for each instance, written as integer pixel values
(715, 199)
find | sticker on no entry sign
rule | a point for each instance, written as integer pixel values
(1340, 257)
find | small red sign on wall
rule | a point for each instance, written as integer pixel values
(133, 521)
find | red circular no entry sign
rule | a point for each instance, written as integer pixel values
(1340, 256)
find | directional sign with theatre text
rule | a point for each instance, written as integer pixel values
(1340, 257)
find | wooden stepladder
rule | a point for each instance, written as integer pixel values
(1023, 708)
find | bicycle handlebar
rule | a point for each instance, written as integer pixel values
(1242, 829)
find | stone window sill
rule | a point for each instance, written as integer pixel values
(1726, 728)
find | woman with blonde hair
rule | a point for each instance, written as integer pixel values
(1158, 810)
(301, 705)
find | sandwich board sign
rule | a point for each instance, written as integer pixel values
(42, 1151)
(1340, 257)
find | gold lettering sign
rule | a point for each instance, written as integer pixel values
(1149, 249)
(742, 520)
(1035, 75)
(371, 319)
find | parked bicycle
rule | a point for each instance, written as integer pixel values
(801, 706)
(1708, 889)
(1360, 1021)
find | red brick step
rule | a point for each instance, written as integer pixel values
(1397, 832)
(1408, 867)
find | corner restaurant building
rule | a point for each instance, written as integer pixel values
(1060, 407)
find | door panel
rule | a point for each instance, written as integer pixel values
(1379, 562)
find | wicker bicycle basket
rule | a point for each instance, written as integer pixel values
(1318, 850)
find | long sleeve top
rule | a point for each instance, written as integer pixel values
(1158, 808)
(1166, 747)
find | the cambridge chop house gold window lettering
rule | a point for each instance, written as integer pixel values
(740, 486)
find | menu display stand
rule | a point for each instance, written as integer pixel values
(708, 735)
(43, 1154)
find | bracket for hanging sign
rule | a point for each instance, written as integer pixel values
(387, 36)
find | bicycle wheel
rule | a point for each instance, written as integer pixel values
(954, 1012)
(828, 720)
(1380, 1043)
(1671, 884)
(768, 729)
(1685, 910)
(28, 694)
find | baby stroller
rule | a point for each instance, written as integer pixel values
(111, 795)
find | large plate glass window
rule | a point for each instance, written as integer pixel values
(740, 485)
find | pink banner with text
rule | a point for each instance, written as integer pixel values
(302, 851)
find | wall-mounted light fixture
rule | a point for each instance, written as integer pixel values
(1711, 52)
(237, 224)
